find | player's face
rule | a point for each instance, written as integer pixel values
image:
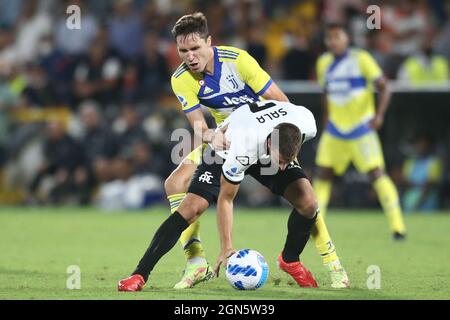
(195, 51)
(276, 157)
(336, 41)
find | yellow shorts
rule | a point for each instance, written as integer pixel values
(196, 154)
(364, 152)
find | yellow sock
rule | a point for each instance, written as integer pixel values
(190, 238)
(323, 242)
(388, 197)
(322, 188)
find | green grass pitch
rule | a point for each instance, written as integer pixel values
(37, 246)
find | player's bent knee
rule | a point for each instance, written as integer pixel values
(192, 207)
(301, 196)
(169, 185)
(376, 174)
(177, 182)
(325, 173)
(307, 207)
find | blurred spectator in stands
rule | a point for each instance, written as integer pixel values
(97, 77)
(356, 18)
(101, 8)
(63, 164)
(422, 173)
(425, 67)
(58, 67)
(403, 29)
(136, 185)
(298, 60)
(9, 12)
(131, 85)
(146, 180)
(125, 29)
(150, 16)
(442, 44)
(142, 158)
(7, 50)
(76, 42)
(379, 46)
(129, 129)
(152, 67)
(39, 92)
(406, 21)
(31, 26)
(336, 10)
(255, 44)
(99, 143)
(12, 84)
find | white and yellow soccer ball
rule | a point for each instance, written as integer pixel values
(247, 270)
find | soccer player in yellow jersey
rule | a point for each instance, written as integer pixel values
(348, 77)
(222, 79)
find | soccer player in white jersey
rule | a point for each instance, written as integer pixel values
(273, 132)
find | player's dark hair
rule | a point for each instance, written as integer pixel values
(335, 25)
(290, 140)
(191, 23)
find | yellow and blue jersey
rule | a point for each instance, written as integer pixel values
(238, 79)
(348, 83)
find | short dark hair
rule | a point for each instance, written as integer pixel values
(191, 23)
(335, 25)
(290, 140)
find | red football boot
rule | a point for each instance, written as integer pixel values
(298, 271)
(131, 284)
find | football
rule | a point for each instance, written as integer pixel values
(247, 270)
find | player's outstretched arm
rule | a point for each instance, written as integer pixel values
(384, 97)
(204, 134)
(225, 200)
(274, 93)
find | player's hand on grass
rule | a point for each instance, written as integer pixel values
(222, 260)
(377, 122)
(218, 141)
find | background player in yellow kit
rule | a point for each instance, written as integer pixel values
(348, 76)
(221, 78)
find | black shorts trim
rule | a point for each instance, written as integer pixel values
(281, 180)
(208, 196)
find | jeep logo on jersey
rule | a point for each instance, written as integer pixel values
(244, 160)
(237, 100)
(233, 81)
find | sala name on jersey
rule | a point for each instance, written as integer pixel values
(272, 115)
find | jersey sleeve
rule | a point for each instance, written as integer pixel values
(435, 171)
(252, 73)
(369, 67)
(233, 171)
(187, 97)
(320, 70)
(240, 156)
(310, 131)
